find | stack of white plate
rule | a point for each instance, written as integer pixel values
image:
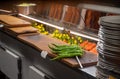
(109, 46)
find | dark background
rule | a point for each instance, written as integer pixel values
(10, 4)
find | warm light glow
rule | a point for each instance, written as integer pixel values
(5, 11)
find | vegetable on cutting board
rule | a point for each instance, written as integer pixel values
(84, 43)
(65, 51)
(94, 50)
(89, 46)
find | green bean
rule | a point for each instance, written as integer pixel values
(65, 51)
(66, 56)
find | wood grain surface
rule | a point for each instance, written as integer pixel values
(21, 30)
(41, 42)
(60, 11)
(12, 21)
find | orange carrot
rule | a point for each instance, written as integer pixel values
(94, 50)
(86, 47)
(84, 43)
(90, 46)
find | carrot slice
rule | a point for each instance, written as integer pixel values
(94, 50)
(84, 43)
(91, 45)
(87, 46)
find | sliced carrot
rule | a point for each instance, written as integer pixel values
(87, 46)
(94, 50)
(91, 45)
(84, 43)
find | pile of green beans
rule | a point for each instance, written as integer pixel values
(65, 51)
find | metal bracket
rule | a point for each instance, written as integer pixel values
(44, 54)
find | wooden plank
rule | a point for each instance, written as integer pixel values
(12, 21)
(21, 30)
(41, 42)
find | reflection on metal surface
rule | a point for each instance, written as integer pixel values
(11, 53)
(90, 70)
(37, 71)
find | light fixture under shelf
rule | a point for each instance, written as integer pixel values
(40, 21)
(60, 28)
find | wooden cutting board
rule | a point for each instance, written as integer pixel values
(21, 30)
(41, 42)
(12, 21)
